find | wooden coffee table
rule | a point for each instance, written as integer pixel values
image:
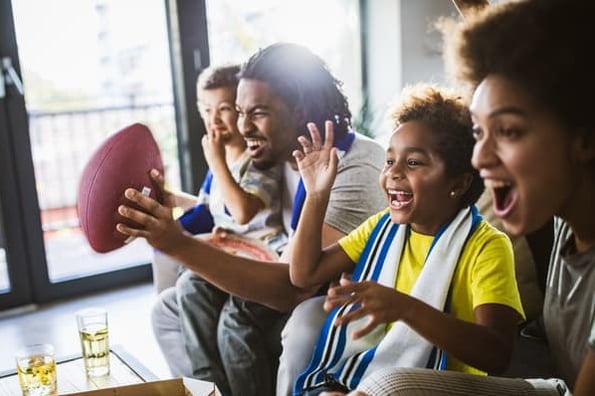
(124, 370)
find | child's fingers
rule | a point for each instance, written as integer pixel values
(355, 314)
(215, 136)
(306, 144)
(298, 155)
(219, 233)
(333, 302)
(345, 287)
(346, 281)
(315, 136)
(364, 330)
(329, 134)
(345, 275)
(334, 159)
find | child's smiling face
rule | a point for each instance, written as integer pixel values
(217, 109)
(414, 178)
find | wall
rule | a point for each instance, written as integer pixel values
(422, 44)
(401, 48)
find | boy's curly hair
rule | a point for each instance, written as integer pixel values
(447, 114)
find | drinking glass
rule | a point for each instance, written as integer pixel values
(36, 368)
(93, 332)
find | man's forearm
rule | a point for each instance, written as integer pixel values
(263, 282)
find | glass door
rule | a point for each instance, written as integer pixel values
(88, 69)
(15, 285)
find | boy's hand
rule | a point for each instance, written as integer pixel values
(379, 303)
(214, 149)
(317, 162)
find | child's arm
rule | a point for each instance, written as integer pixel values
(480, 328)
(485, 344)
(241, 205)
(184, 200)
(317, 163)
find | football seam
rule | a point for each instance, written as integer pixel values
(95, 174)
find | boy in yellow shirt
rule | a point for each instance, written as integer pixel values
(433, 284)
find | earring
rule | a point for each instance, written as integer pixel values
(452, 194)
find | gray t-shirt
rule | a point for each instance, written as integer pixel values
(355, 195)
(569, 306)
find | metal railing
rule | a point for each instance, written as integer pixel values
(63, 142)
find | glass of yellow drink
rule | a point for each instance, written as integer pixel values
(93, 332)
(36, 368)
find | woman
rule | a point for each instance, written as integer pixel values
(533, 81)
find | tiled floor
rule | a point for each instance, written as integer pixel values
(129, 325)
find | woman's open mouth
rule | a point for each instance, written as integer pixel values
(398, 199)
(503, 194)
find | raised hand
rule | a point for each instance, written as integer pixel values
(155, 221)
(213, 149)
(379, 303)
(317, 161)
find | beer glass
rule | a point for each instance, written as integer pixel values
(93, 332)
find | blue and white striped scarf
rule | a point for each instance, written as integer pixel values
(346, 361)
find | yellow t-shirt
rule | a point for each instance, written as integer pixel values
(485, 273)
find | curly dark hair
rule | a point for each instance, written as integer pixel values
(447, 114)
(543, 46)
(218, 77)
(303, 81)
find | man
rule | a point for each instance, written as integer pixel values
(281, 89)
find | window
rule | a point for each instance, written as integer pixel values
(329, 28)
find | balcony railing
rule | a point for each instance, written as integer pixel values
(61, 145)
(63, 142)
